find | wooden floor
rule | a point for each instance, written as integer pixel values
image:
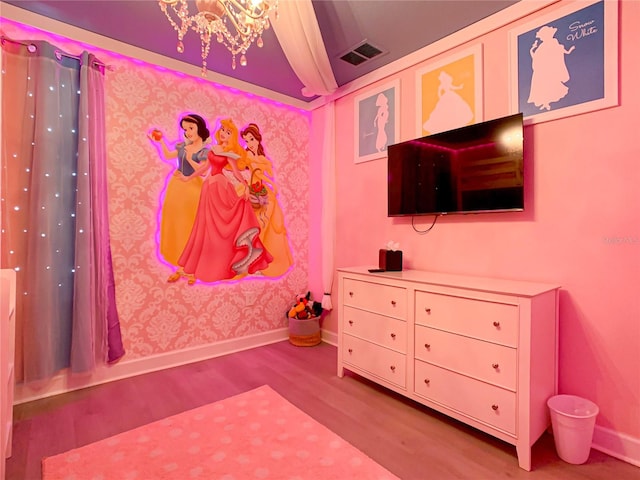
(410, 440)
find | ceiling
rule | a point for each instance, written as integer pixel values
(396, 27)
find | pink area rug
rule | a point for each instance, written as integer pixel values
(254, 435)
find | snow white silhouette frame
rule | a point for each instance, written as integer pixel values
(449, 92)
(377, 118)
(566, 62)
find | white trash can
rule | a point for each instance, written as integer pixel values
(572, 419)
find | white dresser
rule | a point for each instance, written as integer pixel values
(481, 350)
(7, 361)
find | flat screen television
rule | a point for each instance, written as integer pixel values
(473, 169)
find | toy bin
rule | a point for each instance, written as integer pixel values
(304, 333)
(572, 420)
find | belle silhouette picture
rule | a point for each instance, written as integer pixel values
(220, 218)
(561, 63)
(448, 95)
(451, 109)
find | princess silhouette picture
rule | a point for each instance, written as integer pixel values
(450, 92)
(380, 122)
(550, 74)
(377, 121)
(565, 63)
(451, 110)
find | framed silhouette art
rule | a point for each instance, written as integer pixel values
(377, 120)
(566, 62)
(449, 92)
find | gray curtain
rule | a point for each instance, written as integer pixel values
(54, 210)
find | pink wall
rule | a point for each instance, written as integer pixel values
(581, 227)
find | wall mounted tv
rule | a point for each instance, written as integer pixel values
(473, 169)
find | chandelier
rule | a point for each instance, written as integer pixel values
(234, 23)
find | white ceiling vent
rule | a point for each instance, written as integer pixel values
(362, 53)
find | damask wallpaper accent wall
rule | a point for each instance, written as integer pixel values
(157, 316)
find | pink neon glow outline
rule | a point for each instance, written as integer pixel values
(64, 42)
(161, 203)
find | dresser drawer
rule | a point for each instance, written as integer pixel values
(485, 361)
(380, 361)
(386, 331)
(382, 299)
(487, 403)
(490, 321)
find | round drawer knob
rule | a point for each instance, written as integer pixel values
(495, 365)
(428, 310)
(393, 368)
(496, 324)
(427, 346)
(427, 381)
(351, 294)
(393, 302)
(393, 335)
(350, 322)
(494, 407)
(350, 350)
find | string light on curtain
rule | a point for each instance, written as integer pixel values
(234, 23)
(53, 210)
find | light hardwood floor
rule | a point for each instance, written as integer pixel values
(410, 440)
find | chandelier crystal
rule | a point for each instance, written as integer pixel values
(234, 23)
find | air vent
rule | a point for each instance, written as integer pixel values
(368, 51)
(361, 54)
(353, 58)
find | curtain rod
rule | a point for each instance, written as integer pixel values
(59, 53)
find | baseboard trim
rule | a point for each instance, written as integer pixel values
(330, 337)
(64, 383)
(618, 445)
